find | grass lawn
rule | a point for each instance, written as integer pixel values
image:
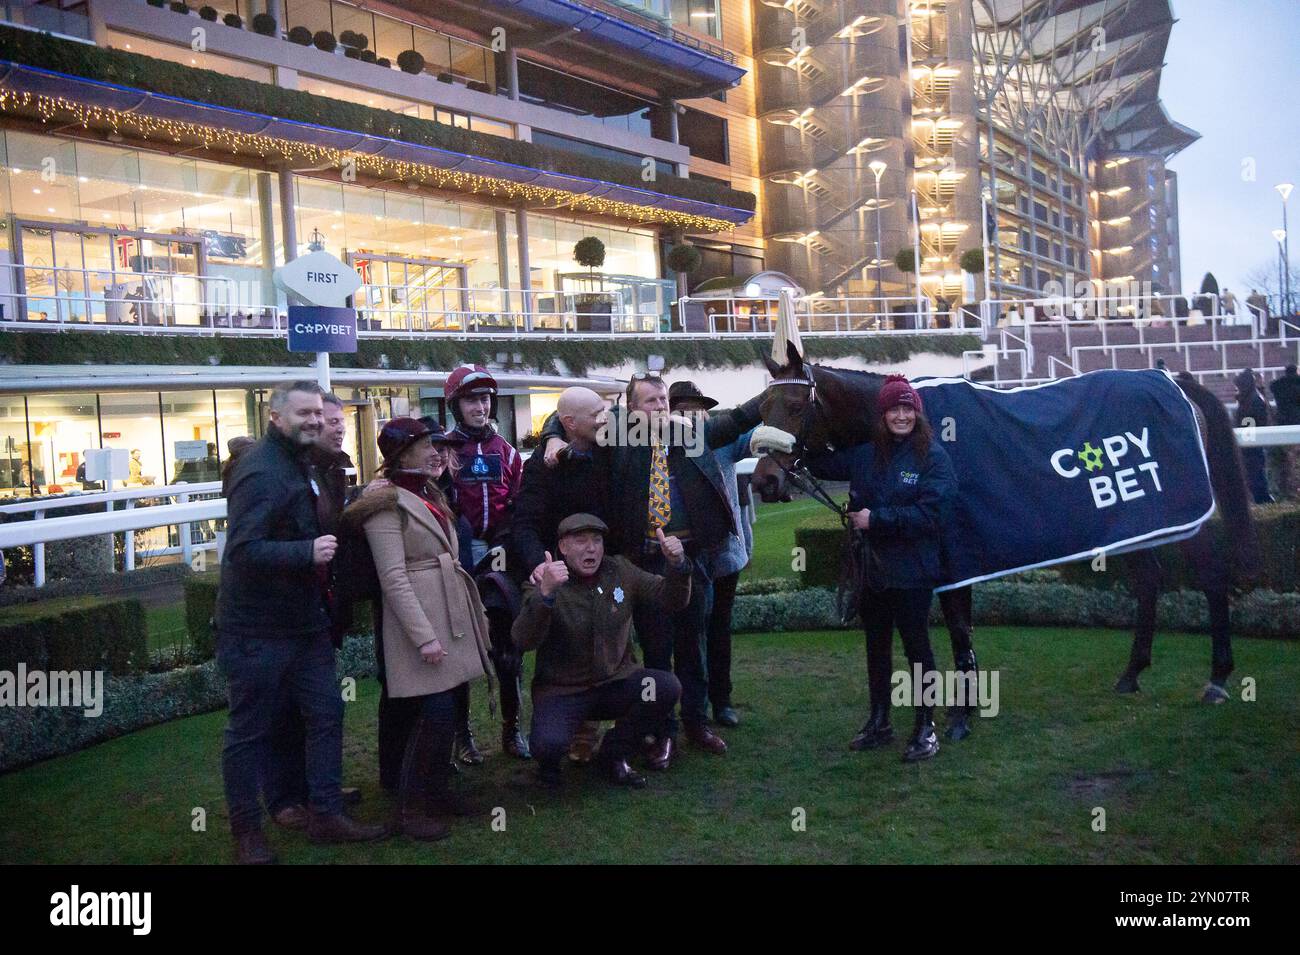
(166, 625)
(1180, 782)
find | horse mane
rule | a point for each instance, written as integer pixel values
(1227, 478)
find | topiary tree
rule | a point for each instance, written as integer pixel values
(208, 13)
(385, 62)
(347, 38)
(972, 261)
(181, 7)
(233, 20)
(324, 40)
(683, 259)
(300, 35)
(158, 3)
(905, 261)
(589, 251)
(368, 56)
(410, 61)
(265, 24)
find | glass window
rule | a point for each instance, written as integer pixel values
(130, 421)
(391, 38)
(190, 434)
(63, 426)
(312, 14)
(15, 458)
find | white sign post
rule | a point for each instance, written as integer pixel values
(318, 278)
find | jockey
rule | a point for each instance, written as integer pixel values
(484, 488)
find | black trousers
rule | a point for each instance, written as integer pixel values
(908, 611)
(718, 640)
(635, 710)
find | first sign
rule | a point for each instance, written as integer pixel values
(315, 328)
(318, 278)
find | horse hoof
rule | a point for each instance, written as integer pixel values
(1128, 683)
(958, 729)
(1214, 694)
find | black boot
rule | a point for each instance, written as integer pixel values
(876, 731)
(425, 770)
(924, 744)
(513, 742)
(960, 717)
(466, 748)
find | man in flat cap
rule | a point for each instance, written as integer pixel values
(578, 617)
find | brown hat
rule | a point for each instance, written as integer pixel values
(687, 391)
(576, 523)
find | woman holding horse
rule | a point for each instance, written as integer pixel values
(901, 487)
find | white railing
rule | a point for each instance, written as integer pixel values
(139, 518)
(1185, 349)
(735, 315)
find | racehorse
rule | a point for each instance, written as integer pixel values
(825, 408)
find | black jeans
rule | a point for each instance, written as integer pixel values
(909, 611)
(719, 640)
(262, 674)
(675, 642)
(556, 716)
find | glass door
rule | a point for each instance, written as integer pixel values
(405, 294)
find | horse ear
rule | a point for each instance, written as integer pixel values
(773, 368)
(792, 353)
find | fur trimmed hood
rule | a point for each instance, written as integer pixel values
(368, 505)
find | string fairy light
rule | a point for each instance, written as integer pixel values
(216, 139)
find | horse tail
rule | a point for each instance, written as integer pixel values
(1227, 479)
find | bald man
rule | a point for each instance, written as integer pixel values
(576, 486)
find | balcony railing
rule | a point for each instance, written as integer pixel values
(661, 26)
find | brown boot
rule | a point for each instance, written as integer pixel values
(291, 817)
(251, 848)
(426, 773)
(339, 828)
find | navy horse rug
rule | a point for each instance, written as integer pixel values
(1099, 464)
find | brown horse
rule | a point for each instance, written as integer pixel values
(830, 408)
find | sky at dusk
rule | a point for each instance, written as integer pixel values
(1232, 73)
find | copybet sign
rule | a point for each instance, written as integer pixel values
(1138, 475)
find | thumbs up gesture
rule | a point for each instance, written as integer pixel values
(554, 574)
(671, 547)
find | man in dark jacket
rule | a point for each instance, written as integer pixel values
(1286, 394)
(1252, 411)
(578, 617)
(667, 477)
(273, 631)
(286, 780)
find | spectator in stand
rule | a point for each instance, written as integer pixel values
(1258, 305)
(273, 627)
(1286, 394)
(1252, 411)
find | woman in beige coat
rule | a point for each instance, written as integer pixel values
(434, 631)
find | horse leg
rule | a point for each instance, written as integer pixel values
(1213, 579)
(1146, 576)
(956, 607)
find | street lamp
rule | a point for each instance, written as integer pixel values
(1279, 235)
(1284, 190)
(878, 168)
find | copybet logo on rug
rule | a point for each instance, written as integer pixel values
(1140, 472)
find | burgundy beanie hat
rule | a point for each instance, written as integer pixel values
(897, 391)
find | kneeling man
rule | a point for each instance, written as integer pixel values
(578, 617)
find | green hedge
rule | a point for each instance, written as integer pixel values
(1260, 613)
(201, 603)
(1277, 527)
(138, 581)
(29, 734)
(217, 89)
(543, 354)
(76, 633)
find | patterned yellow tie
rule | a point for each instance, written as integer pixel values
(660, 502)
